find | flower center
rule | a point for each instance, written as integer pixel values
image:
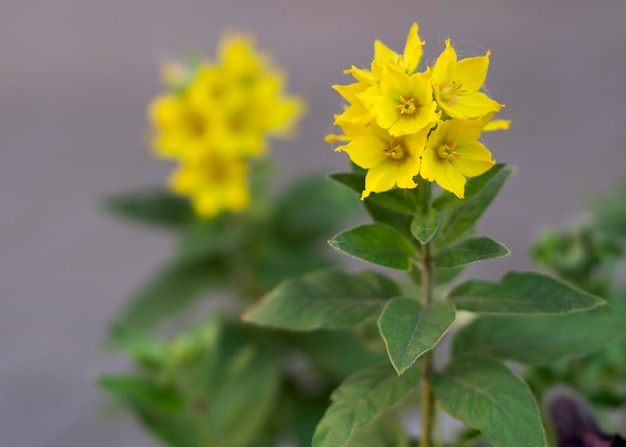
(446, 151)
(395, 150)
(406, 106)
(450, 91)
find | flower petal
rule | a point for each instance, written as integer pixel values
(444, 66)
(379, 179)
(471, 105)
(474, 159)
(412, 50)
(450, 179)
(365, 151)
(407, 169)
(472, 72)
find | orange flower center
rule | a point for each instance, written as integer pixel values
(395, 150)
(447, 151)
(449, 92)
(407, 106)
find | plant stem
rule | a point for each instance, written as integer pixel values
(428, 413)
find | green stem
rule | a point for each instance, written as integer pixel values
(428, 413)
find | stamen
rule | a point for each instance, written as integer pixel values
(446, 151)
(395, 150)
(450, 91)
(406, 106)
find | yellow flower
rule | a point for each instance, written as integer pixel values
(218, 116)
(456, 85)
(408, 61)
(390, 160)
(402, 103)
(214, 184)
(180, 131)
(453, 152)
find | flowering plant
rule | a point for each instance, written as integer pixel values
(199, 380)
(330, 358)
(404, 129)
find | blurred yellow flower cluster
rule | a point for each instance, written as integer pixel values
(401, 123)
(216, 116)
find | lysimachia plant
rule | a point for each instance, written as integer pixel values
(406, 129)
(203, 381)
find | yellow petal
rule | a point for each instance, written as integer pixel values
(474, 159)
(394, 82)
(471, 105)
(412, 50)
(462, 131)
(379, 179)
(472, 72)
(497, 125)
(384, 109)
(444, 66)
(450, 179)
(429, 164)
(407, 169)
(366, 151)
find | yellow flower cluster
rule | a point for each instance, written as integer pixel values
(215, 118)
(401, 123)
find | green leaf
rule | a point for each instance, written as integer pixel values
(154, 206)
(310, 209)
(522, 293)
(409, 329)
(424, 227)
(401, 200)
(470, 250)
(229, 373)
(324, 299)
(142, 390)
(169, 291)
(175, 429)
(361, 399)
(334, 353)
(401, 222)
(541, 339)
(376, 243)
(462, 217)
(141, 346)
(486, 396)
(386, 430)
(202, 240)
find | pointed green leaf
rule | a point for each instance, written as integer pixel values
(376, 243)
(170, 290)
(541, 339)
(311, 208)
(470, 250)
(384, 431)
(154, 206)
(409, 329)
(324, 299)
(139, 345)
(486, 396)
(142, 390)
(400, 221)
(522, 293)
(424, 227)
(201, 240)
(401, 200)
(361, 399)
(459, 219)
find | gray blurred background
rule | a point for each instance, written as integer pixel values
(75, 78)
